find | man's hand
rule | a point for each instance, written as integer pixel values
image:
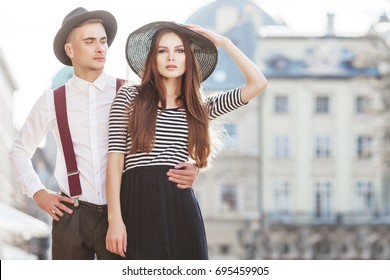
(51, 203)
(184, 175)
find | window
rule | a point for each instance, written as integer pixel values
(363, 104)
(322, 147)
(322, 105)
(364, 147)
(323, 197)
(224, 249)
(281, 104)
(281, 196)
(365, 196)
(231, 141)
(282, 147)
(229, 197)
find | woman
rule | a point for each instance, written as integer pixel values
(159, 123)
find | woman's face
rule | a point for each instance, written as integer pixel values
(170, 56)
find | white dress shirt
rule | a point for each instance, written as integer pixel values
(88, 106)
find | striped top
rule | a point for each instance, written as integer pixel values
(171, 145)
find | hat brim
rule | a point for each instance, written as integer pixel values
(139, 42)
(109, 23)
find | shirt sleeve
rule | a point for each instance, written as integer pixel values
(225, 102)
(26, 142)
(119, 120)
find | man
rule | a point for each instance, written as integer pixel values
(79, 222)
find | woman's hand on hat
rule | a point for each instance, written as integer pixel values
(218, 40)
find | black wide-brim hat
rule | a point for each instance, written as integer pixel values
(139, 42)
(73, 19)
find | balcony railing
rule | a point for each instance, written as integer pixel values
(339, 218)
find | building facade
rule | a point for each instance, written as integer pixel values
(301, 176)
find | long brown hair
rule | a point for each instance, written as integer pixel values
(142, 123)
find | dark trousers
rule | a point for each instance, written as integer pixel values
(81, 235)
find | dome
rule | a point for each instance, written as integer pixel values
(239, 20)
(249, 9)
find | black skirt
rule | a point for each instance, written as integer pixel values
(162, 221)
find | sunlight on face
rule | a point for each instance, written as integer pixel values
(171, 57)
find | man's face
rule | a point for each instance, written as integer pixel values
(87, 47)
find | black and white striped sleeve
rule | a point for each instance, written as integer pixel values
(119, 120)
(225, 102)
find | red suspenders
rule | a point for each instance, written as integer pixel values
(66, 140)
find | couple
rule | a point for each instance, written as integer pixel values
(137, 150)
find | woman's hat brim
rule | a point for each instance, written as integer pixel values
(139, 42)
(109, 23)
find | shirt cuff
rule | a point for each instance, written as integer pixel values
(30, 184)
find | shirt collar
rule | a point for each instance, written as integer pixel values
(83, 85)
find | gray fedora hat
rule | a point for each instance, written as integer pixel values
(139, 42)
(73, 19)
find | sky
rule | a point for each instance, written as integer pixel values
(27, 29)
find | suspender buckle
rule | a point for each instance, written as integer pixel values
(72, 173)
(76, 201)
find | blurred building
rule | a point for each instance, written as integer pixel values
(301, 176)
(19, 232)
(7, 88)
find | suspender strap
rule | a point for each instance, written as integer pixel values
(119, 83)
(66, 139)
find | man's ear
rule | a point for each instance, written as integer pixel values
(68, 49)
